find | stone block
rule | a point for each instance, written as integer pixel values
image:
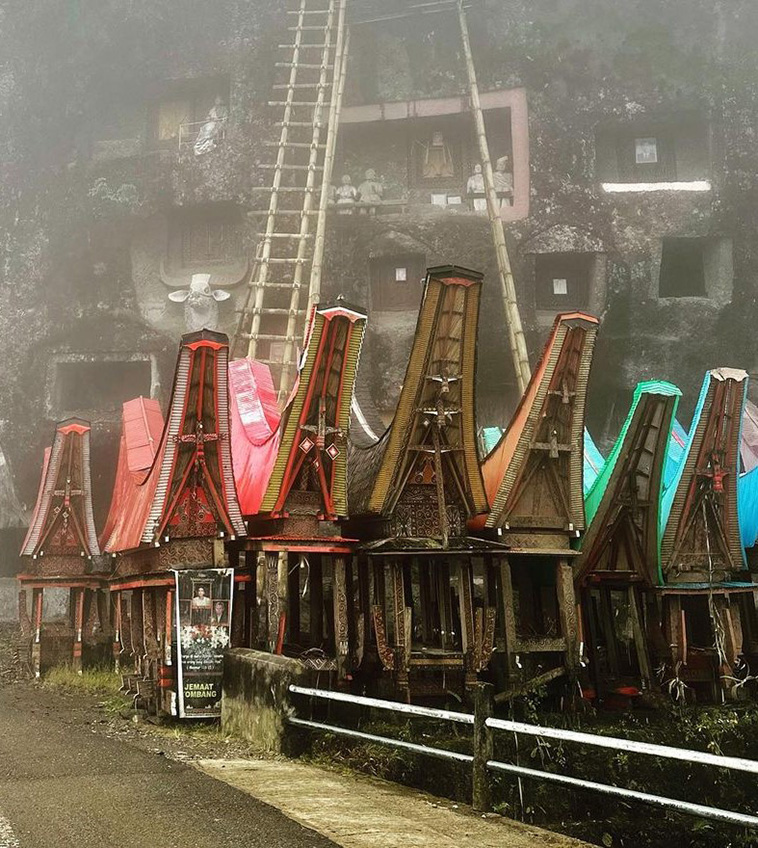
(256, 700)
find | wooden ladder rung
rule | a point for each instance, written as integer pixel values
(293, 86)
(274, 337)
(313, 103)
(269, 285)
(306, 66)
(312, 124)
(303, 46)
(306, 28)
(284, 261)
(285, 235)
(276, 310)
(301, 189)
(299, 145)
(258, 213)
(291, 167)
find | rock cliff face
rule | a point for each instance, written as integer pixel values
(106, 209)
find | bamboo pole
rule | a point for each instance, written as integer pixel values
(335, 109)
(516, 339)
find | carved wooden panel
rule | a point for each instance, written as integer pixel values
(417, 514)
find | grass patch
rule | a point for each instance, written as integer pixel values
(103, 683)
(96, 681)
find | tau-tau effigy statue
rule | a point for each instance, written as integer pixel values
(475, 190)
(346, 196)
(503, 178)
(200, 303)
(371, 191)
(438, 161)
(207, 138)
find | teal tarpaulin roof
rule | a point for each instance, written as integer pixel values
(595, 495)
(593, 461)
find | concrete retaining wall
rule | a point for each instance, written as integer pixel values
(255, 700)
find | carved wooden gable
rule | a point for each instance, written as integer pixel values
(310, 472)
(537, 467)
(195, 493)
(63, 522)
(429, 482)
(189, 490)
(701, 539)
(623, 506)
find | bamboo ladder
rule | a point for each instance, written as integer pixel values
(273, 317)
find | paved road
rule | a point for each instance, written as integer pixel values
(63, 785)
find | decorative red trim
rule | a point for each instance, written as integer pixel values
(204, 343)
(335, 311)
(74, 427)
(456, 281)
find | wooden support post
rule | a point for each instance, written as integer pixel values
(251, 601)
(316, 584)
(509, 618)
(425, 596)
(150, 632)
(402, 628)
(732, 620)
(283, 567)
(273, 605)
(219, 554)
(76, 655)
(165, 670)
(564, 584)
(363, 621)
(468, 641)
(117, 632)
(640, 643)
(138, 638)
(37, 599)
(239, 614)
(674, 630)
(483, 747)
(339, 599)
(609, 631)
(293, 602)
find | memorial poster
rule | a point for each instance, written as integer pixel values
(203, 627)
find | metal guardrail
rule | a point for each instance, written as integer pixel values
(484, 724)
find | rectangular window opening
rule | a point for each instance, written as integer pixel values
(396, 282)
(563, 280)
(682, 268)
(654, 150)
(101, 385)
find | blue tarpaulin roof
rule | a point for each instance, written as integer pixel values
(593, 461)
